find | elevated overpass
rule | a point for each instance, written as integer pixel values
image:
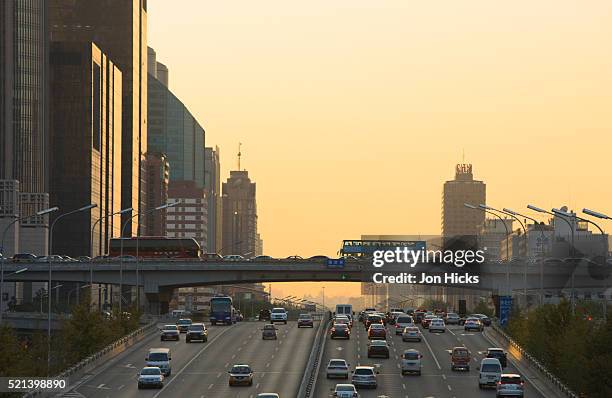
(162, 275)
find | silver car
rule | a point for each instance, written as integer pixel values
(345, 391)
(510, 385)
(337, 368)
(150, 376)
(411, 333)
(411, 362)
(365, 376)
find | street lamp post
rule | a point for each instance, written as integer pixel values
(470, 206)
(557, 213)
(93, 227)
(17, 219)
(605, 247)
(84, 208)
(536, 224)
(75, 290)
(165, 206)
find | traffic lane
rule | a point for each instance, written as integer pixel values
(338, 349)
(460, 382)
(121, 379)
(278, 365)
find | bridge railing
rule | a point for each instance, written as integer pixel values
(535, 363)
(90, 360)
(307, 386)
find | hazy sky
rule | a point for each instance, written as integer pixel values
(352, 113)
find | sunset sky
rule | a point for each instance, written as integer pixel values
(352, 113)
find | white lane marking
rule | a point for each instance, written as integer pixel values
(218, 375)
(257, 386)
(210, 386)
(443, 376)
(210, 343)
(451, 332)
(404, 386)
(234, 356)
(432, 353)
(120, 387)
(449, 388)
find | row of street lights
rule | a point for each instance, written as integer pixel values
(561, 214)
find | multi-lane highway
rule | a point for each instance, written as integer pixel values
(200, 369)
(437, 379)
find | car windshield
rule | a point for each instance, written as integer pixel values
(377, 326)
(411, 355)
(269, 327)
(451, 315)
(158, 356)
(345, 388)
(460, 353)
(241, 369)
(196, 328)
(511, 379)
(490, 367)
(496, 353)
(305, 316)
(337, 363)
(340, 326)
(379, 343)
(184, 322)
(364, 372)
(150, 371)
(404, 319)
(411, 329)
(278, 310)
(170, 327)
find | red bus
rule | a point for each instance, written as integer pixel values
(155, 247)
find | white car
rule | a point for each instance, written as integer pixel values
(345, 391)
(452, 318)
(411, 362)
(411, 333)
(337, 368)
(489, 372)
(150, 376)
(437, 325)
(234, 257)
(278, 315)
(365, 376)
(268, 395)
(402, 322)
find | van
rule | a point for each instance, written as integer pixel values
(460, 358)
(489, 374)
(160, 357)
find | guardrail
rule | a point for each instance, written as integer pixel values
(96, 356)
(307, 385)
(535, 363)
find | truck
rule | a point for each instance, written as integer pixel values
(345, 309)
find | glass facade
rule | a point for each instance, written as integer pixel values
(174, 131)
(86, 145)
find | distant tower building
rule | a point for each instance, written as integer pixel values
(158, 174)
(212, 184)
(458, 220)
(239, 215)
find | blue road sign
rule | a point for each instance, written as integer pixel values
(505, 306)
(335, 263)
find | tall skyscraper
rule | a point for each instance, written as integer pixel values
(119, 29)
(239, 215)
(23, 122)
(458, 220)
(175, 132)
(212, 184)
(85, 145)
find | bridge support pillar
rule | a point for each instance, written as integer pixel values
(157, 303)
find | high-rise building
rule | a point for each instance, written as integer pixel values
(23, 123)
(239, 215)
(175, 132)
(119, 30)
(188, 219)
(85, 142)
(212, 183)
(458, 220)
(158, 176)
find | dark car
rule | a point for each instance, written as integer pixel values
(24, 258)
(264, 315)
(318, 258)
(183, 324)
(418, 316)
(211, 257)
(499, 354)
(170, 332)
(377, 332)
(196, 332)
(340, 330)
(262, 259)
(373, 319)
(268, 332)
(305, 320)
(378, 348)
(483, 318)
